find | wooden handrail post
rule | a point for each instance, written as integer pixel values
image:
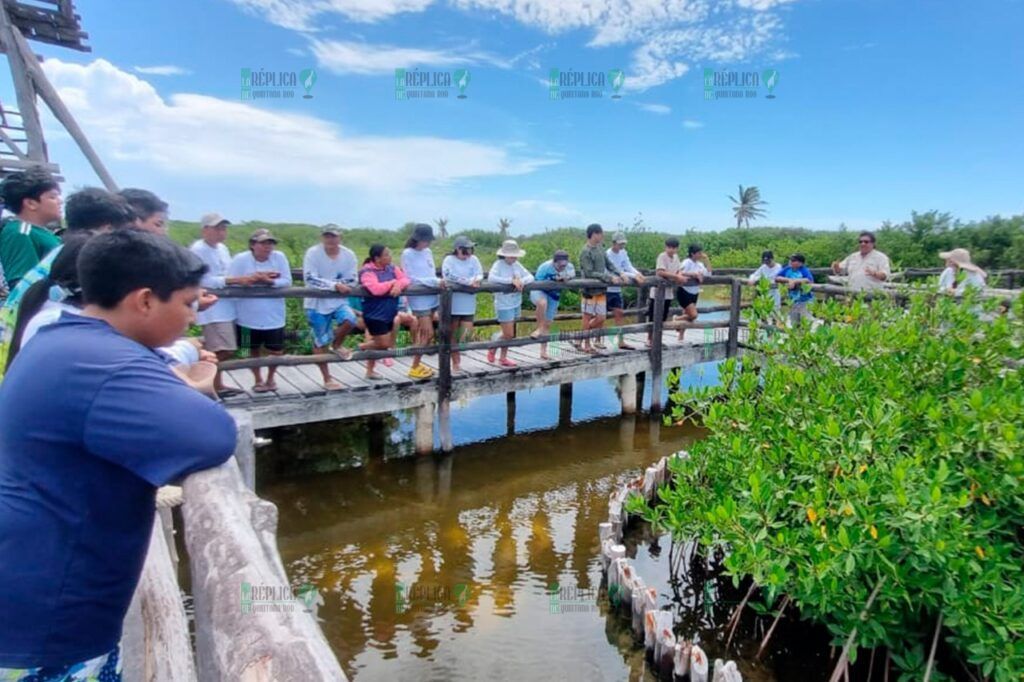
(732, 346)
(444, 371)
(657, 325)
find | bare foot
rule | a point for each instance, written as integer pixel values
(332, 385)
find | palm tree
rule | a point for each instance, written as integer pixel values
(442, 227)
(503, 225)
(748, 206)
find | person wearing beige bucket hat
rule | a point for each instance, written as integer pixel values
(957, 260)
(508, 305)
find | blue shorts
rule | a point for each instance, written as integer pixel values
(509, 314)
(552, 308)
(105, 668)
(321, 324)
(615, 300)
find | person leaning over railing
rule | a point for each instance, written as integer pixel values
(666, 266)
(418, 264)
(558, 269)
(768, 270)
(595, 264)
(693, 268)
(92, 421)
(617, 254)
(462, 267)
(329, 266)
(385, 282)
(508, 305)
(795, 276)
(959, 260)
(261, 321)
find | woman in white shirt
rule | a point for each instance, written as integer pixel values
(418, 265)
(768, 270)
(956, 260)
(262, 320)
(462, 267)
(508, 305)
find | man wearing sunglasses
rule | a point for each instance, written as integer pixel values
(867, 268)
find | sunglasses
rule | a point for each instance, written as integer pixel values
(468, 249)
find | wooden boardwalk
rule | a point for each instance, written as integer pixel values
(301, 397)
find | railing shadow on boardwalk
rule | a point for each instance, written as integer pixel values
(230, 533)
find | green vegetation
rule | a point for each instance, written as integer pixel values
(880, 452)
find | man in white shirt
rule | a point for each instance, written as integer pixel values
(867, 268)
(617, 255)
(331, 267)
(261, 321)
(218, 321)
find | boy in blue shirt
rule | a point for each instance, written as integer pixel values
(794, 276)
(92, 421)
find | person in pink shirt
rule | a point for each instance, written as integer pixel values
(385, 282)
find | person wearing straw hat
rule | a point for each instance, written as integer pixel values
(508, 305)
(960, 260)
(261, 321)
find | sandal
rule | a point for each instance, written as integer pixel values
(261, 388)
(373, 376)
(228, 392)
(505, 362)
(333, 385)
(342, 352)
(388, 362)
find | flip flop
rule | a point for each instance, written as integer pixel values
(373, 376)
(342, 352)
(261, 388)
(228, 392)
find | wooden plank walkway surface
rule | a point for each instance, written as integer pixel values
(301, 398)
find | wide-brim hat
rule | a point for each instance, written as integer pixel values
(962, 257)
(510, 249)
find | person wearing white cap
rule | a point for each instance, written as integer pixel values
(331, 267)
(617, 255)
(463, 268)
(261, 321)
(956, 260)
(508, 305)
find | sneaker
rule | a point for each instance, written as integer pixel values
(505, 362)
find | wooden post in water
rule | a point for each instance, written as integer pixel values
(565, 405)
(657, 326)
(510, 411)
(732, 346)
(245, 449)
(424, 429)
(377, 437)
(444, 371)
(627, 393)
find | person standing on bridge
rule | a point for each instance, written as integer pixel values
(509, 305)
(34, 197)
(329, 266)
(617, 255)
(768, 270)
(796, 276)
(667, 268)
(960, 260)
(261, 321)
(558, 269)
(595, 264)
(693, 269)
(386, 283)
(418, 264)
(867, 268)
(462, 267)
(92, 421)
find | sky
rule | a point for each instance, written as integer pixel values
(879, 108)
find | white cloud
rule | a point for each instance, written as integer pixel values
(368, 59)
(191, 135)
(163, 70)
(544, 207)
(691, 124)
(299, 15)
(661, 109)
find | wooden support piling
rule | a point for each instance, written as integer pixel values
(424, 429)
(510, 413)
(444, 371)
(565, 405)
(657, 326)
(627, 393)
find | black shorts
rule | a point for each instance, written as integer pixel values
(664, 311)
(685, 298)
(614, 301)
(271, 339)
(378, 327)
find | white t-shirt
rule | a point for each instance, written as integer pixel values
(947, 280)
(261, 313)
(972, 280)
(690, 265)
(320, 271)
(621, 260)
(217, 259)
(503, 273)
(418, 266)
(467, 272)
(768, 272)
(670, 265)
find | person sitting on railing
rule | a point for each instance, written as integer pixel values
(92, 421)
(768, 270)
(385, 282)
(418, 264)
(595, 264)
(795, 276)
(261, 321)
(867, 268)
(956, 260)
(617, 255)
(329, 266)
(693, 269)
(508, 305)
(666, 266)
(462, 267)
(558, 269)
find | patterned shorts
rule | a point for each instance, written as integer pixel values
(105, 668)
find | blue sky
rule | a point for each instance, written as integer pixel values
(881, 108)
